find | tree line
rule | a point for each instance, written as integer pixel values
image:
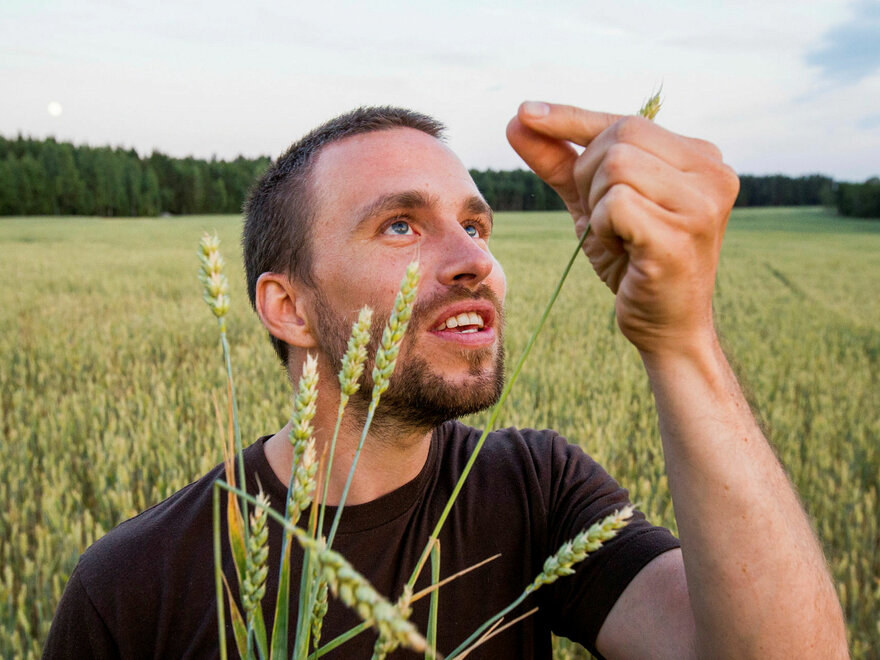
(46, 177)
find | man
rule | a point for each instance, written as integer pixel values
(330, 228)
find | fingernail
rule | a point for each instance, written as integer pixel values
(535, 109)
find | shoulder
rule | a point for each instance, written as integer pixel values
(146, 580)
(151, 533)
(542, 458)
(133, 562)
(114, 601)
(549, 483)
(531, 444)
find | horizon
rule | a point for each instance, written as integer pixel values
(522, 167)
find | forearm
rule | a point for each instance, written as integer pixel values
(757, 578)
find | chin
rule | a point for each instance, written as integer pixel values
(421, 397)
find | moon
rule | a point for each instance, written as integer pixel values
(54, 108)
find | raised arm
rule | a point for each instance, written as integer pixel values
(756, 581)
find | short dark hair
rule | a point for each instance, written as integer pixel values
(279, 210)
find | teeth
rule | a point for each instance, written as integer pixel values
(465, 318)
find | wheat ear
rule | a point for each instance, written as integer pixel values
(304, 461)
(392, 335)
(386, 359)
(574, 551)
(214, 282)
(558, 565)
(256, 568)
(354, 590)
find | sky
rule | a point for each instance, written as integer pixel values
(780, 86)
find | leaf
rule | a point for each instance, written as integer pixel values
(282, 605)
(234, 519)
(260, 633)
(432, 614)
(238, 625)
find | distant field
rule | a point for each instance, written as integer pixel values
(110, 359)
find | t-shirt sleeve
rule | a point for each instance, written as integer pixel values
(583, 493)
(78, 631)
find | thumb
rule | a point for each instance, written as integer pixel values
(551, 159)
(565, 122)
(543, 133)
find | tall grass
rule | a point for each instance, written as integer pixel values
(108, 366)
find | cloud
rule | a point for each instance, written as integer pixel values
(869, 122)
(850, 51)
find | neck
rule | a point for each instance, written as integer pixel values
(391, 457)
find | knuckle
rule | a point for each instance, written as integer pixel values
(653, 269)
(706, 149)
(617, 196)
(617, 160)
(581, 171)
(616, 200)
(726, 184)
(628, 129)
(729, 181)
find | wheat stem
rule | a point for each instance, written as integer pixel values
(496, 410)
(218, 576)
(648, 110)
(560, 564)
(386, 360)
(349, 382)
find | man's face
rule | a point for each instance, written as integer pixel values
(383, 199)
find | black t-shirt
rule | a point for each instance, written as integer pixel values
(146, 590)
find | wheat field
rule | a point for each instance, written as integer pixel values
(109, 361)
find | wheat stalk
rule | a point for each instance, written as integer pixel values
(354, 590)
(212, 277)
(559, 565)
(355, 355)
(254, 587)
(304, 463)
(386, 360)
(333, 572)
(319, 611)
(576, 550)
(392, 335)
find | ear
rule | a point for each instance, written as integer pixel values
(281, 308)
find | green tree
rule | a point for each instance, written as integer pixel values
(9, 199)
(33, 187)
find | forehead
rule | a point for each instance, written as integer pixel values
(356, 170)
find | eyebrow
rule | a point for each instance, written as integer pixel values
(476, 205)
(416, 199)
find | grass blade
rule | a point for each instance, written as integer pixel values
(218, 575)
(282, 604)
(239, 628)
(435, 598)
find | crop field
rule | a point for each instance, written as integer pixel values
(109, 361)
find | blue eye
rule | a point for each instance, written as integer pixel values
(400, 228)
(472, 230)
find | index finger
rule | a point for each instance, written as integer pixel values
(552, 160)
(565, 122)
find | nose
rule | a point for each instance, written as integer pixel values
(464, 260)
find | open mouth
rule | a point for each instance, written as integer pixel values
(463, 323)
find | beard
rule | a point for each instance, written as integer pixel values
(418, 398)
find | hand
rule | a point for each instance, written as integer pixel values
(657, 204)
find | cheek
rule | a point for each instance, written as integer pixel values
(351, 281)
(497, 280)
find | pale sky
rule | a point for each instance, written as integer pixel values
(779, 85)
